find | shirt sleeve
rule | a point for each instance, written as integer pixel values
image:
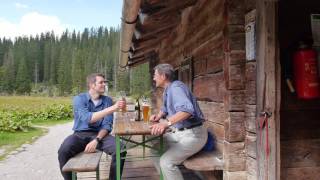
(81, 109)
(107, 122)
(181, 102)
(163, 107)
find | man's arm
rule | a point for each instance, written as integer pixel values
(96, 116)
(160, 128)
(91, 146)
(157, 117)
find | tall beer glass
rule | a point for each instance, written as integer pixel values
(146, 110)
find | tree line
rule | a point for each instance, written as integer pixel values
(51, 65)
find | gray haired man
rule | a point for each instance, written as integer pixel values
(184, 119)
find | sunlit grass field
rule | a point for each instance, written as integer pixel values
(30, 103)
(9, 141)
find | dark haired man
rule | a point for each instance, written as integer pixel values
(93, 119)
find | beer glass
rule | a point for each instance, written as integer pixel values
(146, 110)
(123, 97)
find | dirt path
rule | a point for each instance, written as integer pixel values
(39, 160)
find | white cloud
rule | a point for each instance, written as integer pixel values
(21, 6)
(31, 24)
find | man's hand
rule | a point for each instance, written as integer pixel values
(153, 118)
(158, 128)
(91, 147)
(119, 105)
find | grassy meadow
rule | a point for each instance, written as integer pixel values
(21, 116)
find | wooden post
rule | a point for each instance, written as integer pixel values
(268, 90)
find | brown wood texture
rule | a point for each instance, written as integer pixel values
(83, 162)
(268, 89)
(234, 156)
(251, 166)
(305, 173)
(131, 128)
(210, 87)
(213, 111)
(300, 153)
(239, 175)
(251, 147)
(234, 127)
(205, 161)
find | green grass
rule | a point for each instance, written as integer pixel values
(9, 141)
(50, 122)
(30, 103)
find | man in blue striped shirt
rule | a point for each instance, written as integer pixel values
(184, 118)
(93, 120)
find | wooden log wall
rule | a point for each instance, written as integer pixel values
(212, 33)
(300, 125)
(250, 110)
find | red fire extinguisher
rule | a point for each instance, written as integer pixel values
(306, 73)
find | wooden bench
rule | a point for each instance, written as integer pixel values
(208, 163)
(83, 162)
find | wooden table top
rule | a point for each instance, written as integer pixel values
(124, 125)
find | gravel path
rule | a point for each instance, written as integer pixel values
(38, 161)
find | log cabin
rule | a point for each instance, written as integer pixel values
(236, 56)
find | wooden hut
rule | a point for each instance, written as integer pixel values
(232, 54)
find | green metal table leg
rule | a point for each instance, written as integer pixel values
(161, 152)
(74, 175)
(97, 173)
(118, 156)
(143, 146)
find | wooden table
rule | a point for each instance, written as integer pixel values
(124, 128)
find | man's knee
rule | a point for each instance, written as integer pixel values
(166, 162)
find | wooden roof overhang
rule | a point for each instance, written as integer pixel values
(144, 24)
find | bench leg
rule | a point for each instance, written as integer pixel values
(74, 175)
(97, 173)
(118, 157)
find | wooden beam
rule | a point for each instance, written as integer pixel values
(268, 90)
(156, 33)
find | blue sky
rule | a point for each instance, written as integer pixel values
(25, 17)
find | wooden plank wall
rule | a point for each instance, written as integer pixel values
(300, 125)
(212, 33)
(250, 110)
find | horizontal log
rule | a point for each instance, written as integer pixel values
(251, 71)
(213, 112)
(216, 90)
(250, 118)
(239, 175)
(200, 67)
(234, 76)
(236, 41)
(250, 93)
(234, 100)
(237, 57)
(234, 156)
(216, 129)
(206, 47)
(251, 145)
(252, 166)
(205, 14)
(236, 10)
(214, 64)
(234, 127)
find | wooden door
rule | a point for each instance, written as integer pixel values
(268, 91)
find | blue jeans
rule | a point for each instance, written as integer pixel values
(77, 142)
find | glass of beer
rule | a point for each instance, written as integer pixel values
(146, 110)
(123, 97)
